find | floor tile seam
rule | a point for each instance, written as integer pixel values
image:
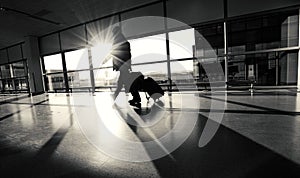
(234, 130)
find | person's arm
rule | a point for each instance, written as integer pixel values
(119, 87)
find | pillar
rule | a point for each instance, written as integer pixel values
(35, 75)
(298, 75)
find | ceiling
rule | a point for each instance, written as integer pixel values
(16, 26)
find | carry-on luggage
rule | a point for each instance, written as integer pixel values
(152, 88)
(134, 82)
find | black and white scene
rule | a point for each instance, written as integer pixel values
(149, 88)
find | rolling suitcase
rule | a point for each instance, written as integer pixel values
(152, 89)
(134, 82)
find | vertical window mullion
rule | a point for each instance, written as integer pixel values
(90, 58)
(167, 45)
(64, 65)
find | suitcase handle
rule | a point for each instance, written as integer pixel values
(147, 96)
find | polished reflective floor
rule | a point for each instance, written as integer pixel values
(185, 134)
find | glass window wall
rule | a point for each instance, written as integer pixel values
(77, 60)
(158, 71)
(79, 79)
(14, 77)
(236, 68)
(101, 52)
(264, 32)
(18, 69)
(105, 77)
(6, 71)
(55, 82)
(255, 49)
(182, 44)
(148, 49)
(267, 32)
(287, 68)
(53, 63)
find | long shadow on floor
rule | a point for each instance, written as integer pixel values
(40, 164)
(19, 111)
(16, 98)
(228, 154)
(291, 113)
(235, 111)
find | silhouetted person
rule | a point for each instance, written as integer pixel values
(122, 62)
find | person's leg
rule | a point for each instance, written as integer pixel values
(136, 96)
(136, 101)
(119, 85)
(122, 80)
(134, 90)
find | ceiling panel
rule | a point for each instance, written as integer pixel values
(15, 26)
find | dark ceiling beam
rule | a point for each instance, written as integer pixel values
(107, 16)
(29, 15)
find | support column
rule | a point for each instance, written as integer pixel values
(91, 67)
(298, 75)
(35, 77)
(66, 79)
(167, 45)
(277, 68)
(92, 77)
(225, 44)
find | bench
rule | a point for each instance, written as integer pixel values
(249, 83)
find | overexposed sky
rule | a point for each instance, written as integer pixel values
(147, 49)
